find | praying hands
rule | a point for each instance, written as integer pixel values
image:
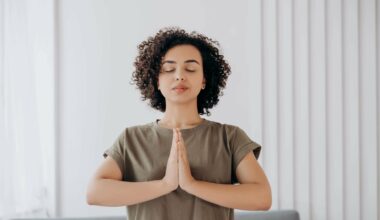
(178, 171)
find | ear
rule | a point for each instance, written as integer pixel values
(203, 83)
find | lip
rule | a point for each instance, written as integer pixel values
(180, 87)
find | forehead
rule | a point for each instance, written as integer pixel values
(181, 53)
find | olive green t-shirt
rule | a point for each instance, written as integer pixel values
(214, 151)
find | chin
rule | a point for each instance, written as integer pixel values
(182, 100)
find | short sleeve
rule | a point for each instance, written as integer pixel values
(241, 145)
(117, 152)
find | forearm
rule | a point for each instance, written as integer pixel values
(250, 196)
(109, 192)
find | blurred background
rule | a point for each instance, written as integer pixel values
(304, 84)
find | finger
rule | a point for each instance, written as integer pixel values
(182, 164)
(177, 134)
(173, 157)
(180, 150)
(178, 144)
(183, 153)
(179, 154)
(173, 150)
(184, 156)
(181, 147)
(174, 137)
(181, 138)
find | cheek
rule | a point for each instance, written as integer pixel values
(163, 85)
(159, 81)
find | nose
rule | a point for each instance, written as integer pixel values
(179, 76)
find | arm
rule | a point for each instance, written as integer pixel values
(107, 188)
(253, 193)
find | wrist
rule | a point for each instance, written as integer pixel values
(190, 186)
(167, 186)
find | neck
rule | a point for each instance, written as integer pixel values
(180, 116)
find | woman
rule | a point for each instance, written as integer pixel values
(182, 166)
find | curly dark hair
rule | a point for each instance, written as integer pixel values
(148, 64)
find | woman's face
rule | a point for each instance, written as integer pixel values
(181, 77)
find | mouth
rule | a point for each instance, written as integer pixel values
(180, 89)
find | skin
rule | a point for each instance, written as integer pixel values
(182, 64)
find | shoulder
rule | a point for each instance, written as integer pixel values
(134, 130)
(234, 134)
(137, 129)
(229, 129)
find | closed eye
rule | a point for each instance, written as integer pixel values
(169, 71)
(172, 70)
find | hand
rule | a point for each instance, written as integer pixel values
(171, 173)
(185, 177)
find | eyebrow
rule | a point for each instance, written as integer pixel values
(187, 61)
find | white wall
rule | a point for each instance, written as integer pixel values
(305, 85)
(97, 44)
(320, 117)
(27, 108)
